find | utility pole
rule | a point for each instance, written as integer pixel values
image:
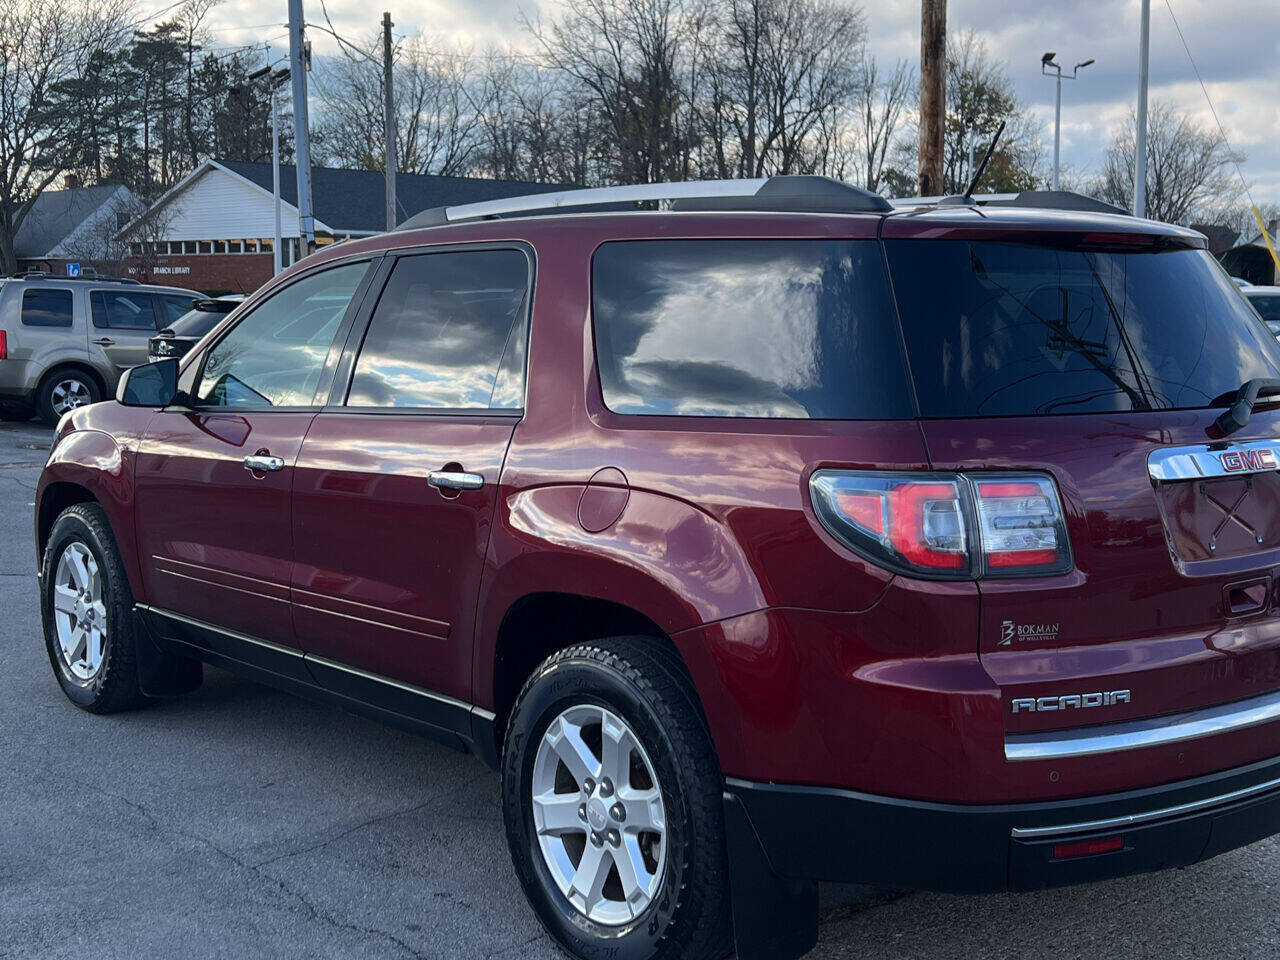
(389, 120)
(1140, 144)
(933, 95)
(302, 146)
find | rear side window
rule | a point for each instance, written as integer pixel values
(122, 311)
(46, 308)
(999, 329)
(449, 331)
(798, 329)
(173, 307)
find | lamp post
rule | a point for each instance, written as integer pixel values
(273, 82)
(1052, 69)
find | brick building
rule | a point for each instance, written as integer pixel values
(213, 231)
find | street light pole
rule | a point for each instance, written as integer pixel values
(1048, 63)
(275, 180)
(301, 140)
(1140, 144)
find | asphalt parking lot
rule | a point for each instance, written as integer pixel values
(241, 822)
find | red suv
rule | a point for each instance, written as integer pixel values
(768, 536)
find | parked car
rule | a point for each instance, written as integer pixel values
(64, 341)
(1241, 282)
(186, 331)
(775, 537)
(1266, 300)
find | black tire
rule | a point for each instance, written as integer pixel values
(114, 686)
(46, 393)
(646, 686)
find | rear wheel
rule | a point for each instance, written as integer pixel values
(63, 391)
(87, 609)
(612, 801)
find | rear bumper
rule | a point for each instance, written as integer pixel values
(816, 833)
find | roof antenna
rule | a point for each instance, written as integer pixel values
(966, 199)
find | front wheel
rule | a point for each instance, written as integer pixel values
(612, 801)
(87, 609)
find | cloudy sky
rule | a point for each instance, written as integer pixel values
(1236, 46)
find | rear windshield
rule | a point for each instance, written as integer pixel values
(998, 329)
(196, 323)
(799, 329)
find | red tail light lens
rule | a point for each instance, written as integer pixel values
(897, 520)
(947, 526)
(4, 345)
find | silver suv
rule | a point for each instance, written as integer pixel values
(64, 341)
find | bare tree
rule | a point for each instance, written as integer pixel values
(881, 101)
(778, 70)
(44, 43)
(632, 58)
(434, 105)
(1190, 168)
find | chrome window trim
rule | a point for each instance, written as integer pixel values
(1137, 734)
(1134, 819)
(1204, 460)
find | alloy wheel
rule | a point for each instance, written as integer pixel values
(68, 394)
(80, 611)
(599, 815)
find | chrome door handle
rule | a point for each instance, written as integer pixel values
(259, 463)
(450, 480)
(104, 342)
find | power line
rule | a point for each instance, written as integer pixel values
(1208, 99)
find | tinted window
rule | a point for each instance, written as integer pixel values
(46, 308)
(996, 329)
(748, 328)
(274, 356)
(174, 307)
(122, 311)
(195, 323)
(1268, 307)
(449, 331)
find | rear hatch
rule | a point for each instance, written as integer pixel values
(1102, 358)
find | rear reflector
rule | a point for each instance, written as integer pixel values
(1087, 848)
(946, 526)
(4, 345)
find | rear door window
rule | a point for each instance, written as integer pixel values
(449, 332)
(1268, 307)
(793, 329)
(118, 310)
(1000, 329)
(46, 308)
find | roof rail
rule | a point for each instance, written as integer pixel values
(787, 194)
(83, 278)
(1027, 199)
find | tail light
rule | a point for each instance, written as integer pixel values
(4, 345)
(946, 526)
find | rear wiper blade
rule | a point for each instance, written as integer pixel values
(1236, 416)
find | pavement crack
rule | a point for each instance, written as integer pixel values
(345, 833)
(313, 912)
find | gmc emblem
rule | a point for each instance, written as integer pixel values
(1236, 461)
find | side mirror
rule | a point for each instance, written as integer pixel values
(149, 385)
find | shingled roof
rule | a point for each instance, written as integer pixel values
(354, 200)
(57, 214)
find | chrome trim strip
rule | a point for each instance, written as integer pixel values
(1133, 819)
(234, 635)
(1136, 734)
(1205, 460)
